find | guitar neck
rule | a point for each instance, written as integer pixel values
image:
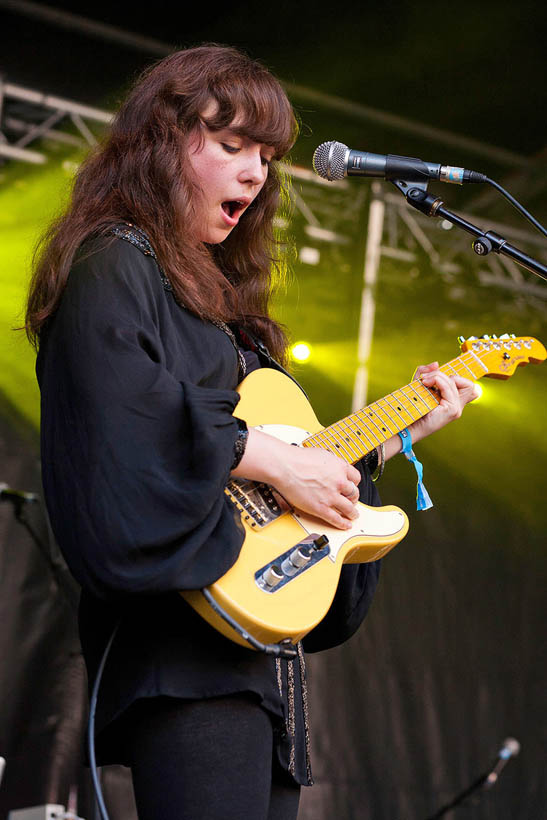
(356, 435)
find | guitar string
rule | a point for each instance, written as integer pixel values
(334, 432)
(341, 432)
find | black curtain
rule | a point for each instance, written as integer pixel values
(450, 662)
(42, 676)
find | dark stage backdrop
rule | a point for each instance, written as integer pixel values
(450, 661)
(42, 677)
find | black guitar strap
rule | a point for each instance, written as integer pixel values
(252, 342)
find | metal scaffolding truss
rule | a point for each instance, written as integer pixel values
(333, 212)
(27, 115)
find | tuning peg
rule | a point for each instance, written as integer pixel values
(486, 336)
(504, 336)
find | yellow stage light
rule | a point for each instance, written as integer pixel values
(301, 352)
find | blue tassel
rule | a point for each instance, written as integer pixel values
(423, 500)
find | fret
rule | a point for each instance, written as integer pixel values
(339, 434)
(482, 364)
(321, 439)
(467, 361)
(396, 411)
(408, 406)
(431, 393)
(467, 367)
(421, 398)
(347, 436)
(350, 436)
(368, 438)
(371, 414)
(327, 440)
(382, 414)
(361, 445)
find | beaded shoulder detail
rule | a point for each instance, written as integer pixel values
(139, 238)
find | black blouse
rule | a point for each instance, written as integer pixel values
(137, 444)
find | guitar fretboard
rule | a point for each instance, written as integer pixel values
(356, 435)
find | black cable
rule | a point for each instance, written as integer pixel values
(288, 652)
(516, 204)
(91, 727)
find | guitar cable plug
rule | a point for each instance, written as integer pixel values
(275, 649)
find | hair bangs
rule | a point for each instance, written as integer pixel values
(256, 107)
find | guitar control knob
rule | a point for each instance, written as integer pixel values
(273, 576)
(296, 560)
(300, 556)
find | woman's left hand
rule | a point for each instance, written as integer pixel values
(454, 392)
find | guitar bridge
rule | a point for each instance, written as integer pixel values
(255, 502)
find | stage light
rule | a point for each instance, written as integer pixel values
(301, 352)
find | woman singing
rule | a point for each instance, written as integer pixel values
(149, 304)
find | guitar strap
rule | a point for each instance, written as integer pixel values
(252, 342)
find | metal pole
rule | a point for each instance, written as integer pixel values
(368, 302)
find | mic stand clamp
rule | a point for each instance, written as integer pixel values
(417, 196)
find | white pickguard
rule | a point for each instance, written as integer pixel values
(371, 521)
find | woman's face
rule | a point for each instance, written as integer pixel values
(231, 170)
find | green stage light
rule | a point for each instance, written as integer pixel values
(30, 196)
(301, 352)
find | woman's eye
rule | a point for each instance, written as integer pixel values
(231, 149)
(265, 161)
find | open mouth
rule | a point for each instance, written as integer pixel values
(233, 207)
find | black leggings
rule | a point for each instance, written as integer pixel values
(207, 760)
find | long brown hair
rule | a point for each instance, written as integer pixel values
(141, 174)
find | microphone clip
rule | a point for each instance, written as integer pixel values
(416, 195)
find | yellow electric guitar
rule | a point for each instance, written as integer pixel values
(285, 578)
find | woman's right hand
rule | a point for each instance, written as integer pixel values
(311, 479)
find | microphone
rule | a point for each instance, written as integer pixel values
(333, 161)
(16, 496)
(510, 748)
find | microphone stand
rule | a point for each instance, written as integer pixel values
(480, 783)
(416, 195)
(510, 748)
(47, 549)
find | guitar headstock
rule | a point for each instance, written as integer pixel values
(501, 355)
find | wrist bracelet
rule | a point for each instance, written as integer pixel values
(379, 471)
(240, 442)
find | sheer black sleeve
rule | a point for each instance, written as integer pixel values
(137, 431)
